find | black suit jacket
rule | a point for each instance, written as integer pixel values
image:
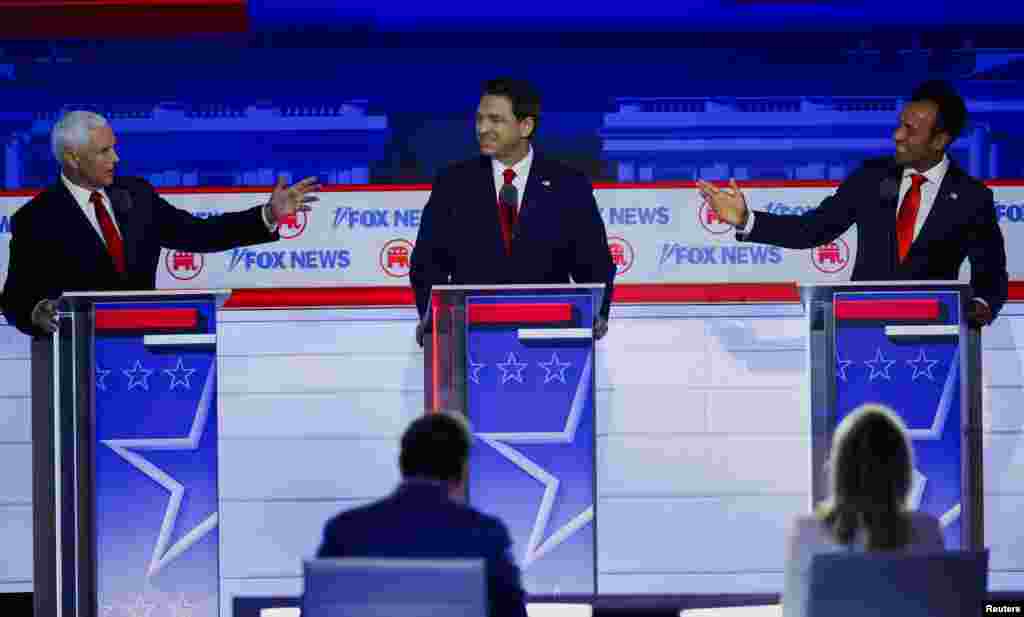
(55, 249)
(961, 225)
(559, 237)
(419, 520)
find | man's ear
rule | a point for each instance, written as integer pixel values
(941, 140)
(527, 126)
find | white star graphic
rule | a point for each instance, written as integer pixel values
(140, 608)
(554, 370)
(474, 370)
(184, 379)
(920, 369)
(162, 555)
(134, 377)
(879, 372)
(511, 369)
(537, 547)
(101, 376)
(841, 366)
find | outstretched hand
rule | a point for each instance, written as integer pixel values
(729, 204)
(286, 201)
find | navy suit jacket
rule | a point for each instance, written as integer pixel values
(419, 520)
(559, 237)
(961, 225)
(54, 247)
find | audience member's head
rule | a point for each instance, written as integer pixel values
(871, 467)
(436, 447)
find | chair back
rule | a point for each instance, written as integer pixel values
(358, 587)
(940, 584)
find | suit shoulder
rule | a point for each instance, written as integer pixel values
(554, 167)
(39, 206)
(132, 184)
(460, 168)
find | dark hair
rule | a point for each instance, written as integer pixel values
(871, 472)
(952, 116)
(524, 97)
(435, 446)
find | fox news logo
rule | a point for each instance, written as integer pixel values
(832, 257)
(710, 220)
(372, 219)
(676, 254)
(395, 256)
(622, 254)
(637, 216)
(1011, 212)
(183, 265)
(307, 259)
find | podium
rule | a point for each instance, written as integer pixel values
(518, 361)
(124, 453)
(906, 345)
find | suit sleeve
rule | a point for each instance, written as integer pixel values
(592, 260)
(26, 283)
(431, 261)
(183, 231)
(505, 595)
(823, 224)
(986, 251)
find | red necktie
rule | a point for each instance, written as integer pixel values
(907, 216)
(110, 235)
(507, 213)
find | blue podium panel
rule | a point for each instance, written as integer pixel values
(903, 349)
(155, 460)
(530, 399)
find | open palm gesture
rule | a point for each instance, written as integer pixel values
(286, 201)
(729, 204)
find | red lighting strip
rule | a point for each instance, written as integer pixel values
(923, 309)
(147, 319)
(482, 314)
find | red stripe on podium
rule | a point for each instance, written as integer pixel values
(922, 309)
(482, 314)
(147, 319)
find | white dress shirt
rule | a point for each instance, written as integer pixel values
(929, 190)
(81, 196)
(522, 169)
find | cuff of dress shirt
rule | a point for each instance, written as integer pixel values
(749, 226)
(265, 213)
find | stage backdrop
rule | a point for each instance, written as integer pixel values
(658, 233)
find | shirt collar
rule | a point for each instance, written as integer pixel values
(934, 175)
(522, 168)
(80, 194)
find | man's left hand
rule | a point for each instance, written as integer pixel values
(600, 328)
(287, 200)
(979, 314)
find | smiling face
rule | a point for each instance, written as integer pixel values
(918, 144)
(500, 134)
(92, 165)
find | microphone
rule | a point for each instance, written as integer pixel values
(509, 198)
(509, 195)
(889, 189)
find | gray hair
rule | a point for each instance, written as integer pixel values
(72, 131)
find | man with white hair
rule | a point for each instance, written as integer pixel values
(92, 231)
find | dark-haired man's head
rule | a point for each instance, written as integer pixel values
(436, 447)
(934, 118)
(507, 119)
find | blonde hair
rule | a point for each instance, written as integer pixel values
(871, 472)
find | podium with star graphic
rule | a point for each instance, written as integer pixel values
(519, 362)
(906, 345)
(125, 456)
